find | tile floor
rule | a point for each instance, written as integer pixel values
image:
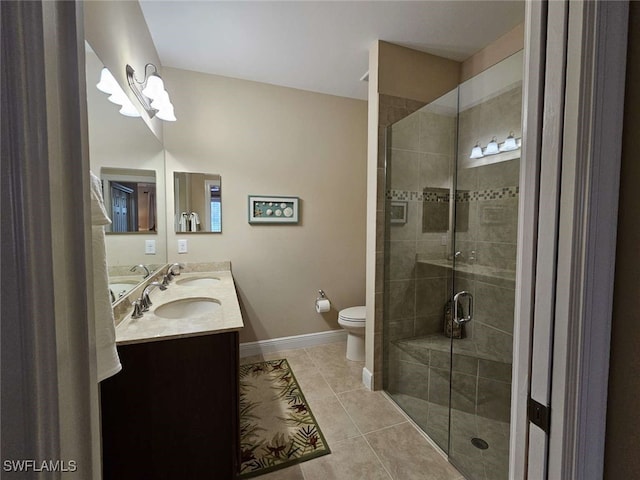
(369, 437)
(490, 464)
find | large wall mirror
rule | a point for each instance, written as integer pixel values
(129, 159)
(198, 202)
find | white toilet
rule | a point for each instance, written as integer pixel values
(353, 319)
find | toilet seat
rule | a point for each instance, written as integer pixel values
(351, 323)
(353, 315)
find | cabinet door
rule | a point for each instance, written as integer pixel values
(184, 420)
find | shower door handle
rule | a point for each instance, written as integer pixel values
(457, 299)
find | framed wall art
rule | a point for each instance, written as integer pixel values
(398, 212)
(273, 209)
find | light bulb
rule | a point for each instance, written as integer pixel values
(492, 147)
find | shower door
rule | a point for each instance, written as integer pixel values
(420, 173)
(450, 249)
(484, 261)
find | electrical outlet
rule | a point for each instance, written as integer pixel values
(182, 246)
(150, 247)
(444, 239)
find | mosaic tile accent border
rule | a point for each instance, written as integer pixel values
(403, 195)
(461, 196)
(493, 194)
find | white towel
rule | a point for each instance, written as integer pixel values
(182, 222)
(107, 355)
(194, 221)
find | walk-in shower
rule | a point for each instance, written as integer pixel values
(452, 174)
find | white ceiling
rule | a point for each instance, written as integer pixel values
(320, 46)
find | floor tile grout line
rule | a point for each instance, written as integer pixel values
(429, 440)
(378, 457)
(349, 415)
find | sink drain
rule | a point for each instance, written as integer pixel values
(479, 443)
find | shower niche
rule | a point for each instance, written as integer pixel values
(457, 245)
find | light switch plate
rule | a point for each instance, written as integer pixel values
(149, 247)
(182, 246)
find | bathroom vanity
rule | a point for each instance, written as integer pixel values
(172, 412)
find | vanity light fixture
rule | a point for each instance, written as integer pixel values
(151, 94)
(511, 143)
(110, 86)
(476, 152)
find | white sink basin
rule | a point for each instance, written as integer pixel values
(198, 281)
(121, 288)
(188, 307)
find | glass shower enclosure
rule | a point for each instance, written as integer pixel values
(452, 175)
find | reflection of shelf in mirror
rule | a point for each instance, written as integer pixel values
(470, 268)
(489, 159)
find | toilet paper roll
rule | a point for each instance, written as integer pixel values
(323, 305)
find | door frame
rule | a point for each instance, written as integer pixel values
(532, 108)
(579, 323)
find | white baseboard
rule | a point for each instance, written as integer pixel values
(367, 378)
(290, 343)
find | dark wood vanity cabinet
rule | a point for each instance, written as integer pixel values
(172, 412)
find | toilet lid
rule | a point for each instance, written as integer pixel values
(354, 313)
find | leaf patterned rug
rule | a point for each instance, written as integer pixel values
(277, 428)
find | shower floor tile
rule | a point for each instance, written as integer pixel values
(474, 463)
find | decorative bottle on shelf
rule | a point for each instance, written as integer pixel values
(451, 328)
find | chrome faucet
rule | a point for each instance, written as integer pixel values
(170, 272)
(146, 270)
(137, 309)
(145, 301)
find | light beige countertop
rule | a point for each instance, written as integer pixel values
(151, 327)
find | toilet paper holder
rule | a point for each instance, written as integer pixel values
(323, 305)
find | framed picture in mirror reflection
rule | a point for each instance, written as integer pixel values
(198, 202)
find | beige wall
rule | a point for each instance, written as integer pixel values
(623, 420)
(508, 44)
(268, 140)
(407, 73)
(118, 33)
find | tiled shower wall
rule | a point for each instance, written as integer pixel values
(422, 154)
(390, 110)
(492, 222)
